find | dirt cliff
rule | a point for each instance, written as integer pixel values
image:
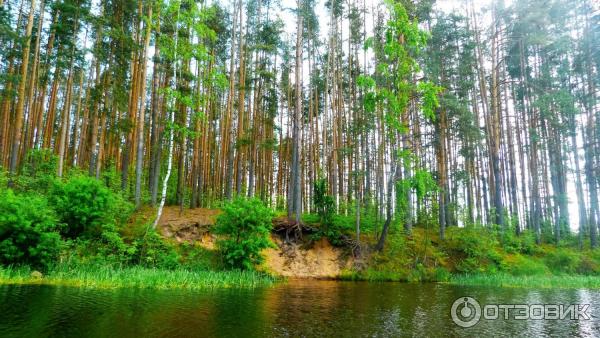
(302, 259)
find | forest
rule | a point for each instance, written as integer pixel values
(374, 120)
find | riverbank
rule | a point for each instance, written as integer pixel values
(474, 256)
(135, 277)
(115, 249)
(492, 280)
(144, 278)
(533, 281)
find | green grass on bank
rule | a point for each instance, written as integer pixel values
(534, 281)
(481, 256)
(135, 277)
(496, 280)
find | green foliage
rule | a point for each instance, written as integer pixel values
(528, 281)
(108, 249)
(246, 225)
(28, 231)
(332, 226)
(111, 178)
(38, 173)
(334, 232)
(528, 244)
(198, 258)
(524, 243)
(411, 258)
(563, 260)
(589, 264)
(475, 250)
(112, 248)
(103, 277)
(84, 205)
(324, 203)
(429, 93)
(152, 250)
(424, 184)
(309, 218)
(519, 265)
(424, 274)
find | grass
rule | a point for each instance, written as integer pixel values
(493, 280)
(136, 277)
(532, 281)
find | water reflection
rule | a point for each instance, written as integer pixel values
(299, 308)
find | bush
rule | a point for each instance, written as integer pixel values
(334, 231)
(511, 243)
(28, 232)
(519, 265)
(38, 173)
(324, 203)
(85, 205)
(528, 245)
(113, 248)
(331, 225)
(476, 247)
(563, 260)
(246, 225)
(198, 258)
(588, 266)
(153, 251)
(423, 274)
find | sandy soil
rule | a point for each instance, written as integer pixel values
(191, 226)
(321, 260)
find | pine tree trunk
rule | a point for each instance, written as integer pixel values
(141, 118)
(18, 125)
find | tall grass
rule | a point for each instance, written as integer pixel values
(533, 281)
(135, 277)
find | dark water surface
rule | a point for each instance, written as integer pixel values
(295, 309)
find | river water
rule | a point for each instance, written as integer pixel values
(294, 309)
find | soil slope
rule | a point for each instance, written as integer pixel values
(296, 260)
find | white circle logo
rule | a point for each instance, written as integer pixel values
(466, 312)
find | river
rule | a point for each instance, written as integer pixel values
(293, 309)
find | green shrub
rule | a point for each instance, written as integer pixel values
(311, 218)
(153, 251)
(324, 203)
(334, 231)
(563, 260)
(38, 173)
(28, 232)
(113, 248)
(588, 266)
(440, 274)
(85, 205)
(519, 265)
(198, 258)
(476, 248)
(510, 242)
(111, 177)
(246, 226)
(528, 245)
(424, 274)
(369, 218)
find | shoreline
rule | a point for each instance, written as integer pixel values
(182, 279)
(136, 277)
